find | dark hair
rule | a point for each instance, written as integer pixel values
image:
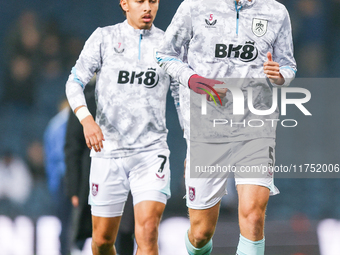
(124, 12)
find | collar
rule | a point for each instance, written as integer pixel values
(132, 30)
(241, 3)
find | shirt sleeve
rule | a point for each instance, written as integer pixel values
(174, 87)
(177, 36)
(87, 64)
(283, 51)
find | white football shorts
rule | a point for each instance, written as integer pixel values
(147, 174)
(210, 164)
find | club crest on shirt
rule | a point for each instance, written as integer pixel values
(192, 193)
(259, 27)
(94, 189)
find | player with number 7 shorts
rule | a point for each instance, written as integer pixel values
(128, 137)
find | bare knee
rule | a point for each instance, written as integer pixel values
(102, 244)
(201, 236)
(200, 233)
(147, 231)
(253, 219)
(253, 201)
(202, 225)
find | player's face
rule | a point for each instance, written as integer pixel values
(140, 13)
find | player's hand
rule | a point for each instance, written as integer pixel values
(272, 70)
(75, 201)
(93, 134)
(221, 93)
(203, 85)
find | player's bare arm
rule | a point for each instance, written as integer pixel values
(92, 132)
(272, 70)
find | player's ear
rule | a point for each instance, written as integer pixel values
(124, 5)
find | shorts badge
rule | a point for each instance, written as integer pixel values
(94, 189)
(192, 193)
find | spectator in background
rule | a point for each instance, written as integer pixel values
(40, 202)
(17, 101)
(52, 73)
(19, 82)
(25, 37)
(54, 141)
(15, 179)
(36, 59)
(15, 183)
(35, 161)
(22, 58)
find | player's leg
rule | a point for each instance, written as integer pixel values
(203, 195)
(202, 228)
(125, 239)
(253, 201)
(254, 189)
(104, 235)
(147, 218)
(150, 187)
(109, 189)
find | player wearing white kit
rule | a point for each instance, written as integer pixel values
(128, 137)
(247, 39)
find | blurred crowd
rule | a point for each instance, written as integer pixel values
(37, 58)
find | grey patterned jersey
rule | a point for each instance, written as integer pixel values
(130, 88)
(225, 39)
